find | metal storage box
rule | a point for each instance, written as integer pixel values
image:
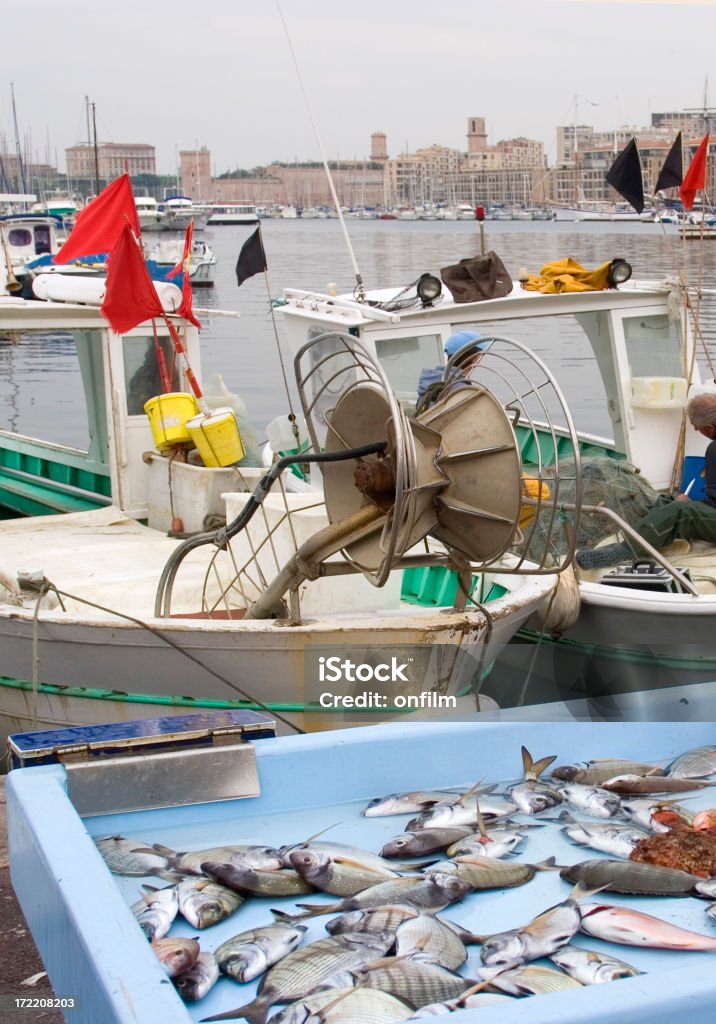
(94, 950)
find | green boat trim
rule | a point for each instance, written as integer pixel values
(627, 655)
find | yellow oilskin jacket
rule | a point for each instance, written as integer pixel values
(568, 276)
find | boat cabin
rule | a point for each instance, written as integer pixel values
(27, 236)
(640, 350)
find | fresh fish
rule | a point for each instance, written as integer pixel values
(694, 764)
(261, 858)
(705, 821)
(490, 873)
(156, 910)
(245, 956)
(426, 892)
(463, 812)
(433, 938)
(176, 955)
(643, 811)
(607, 837)
(335, 875)
(644, 785)
(303, 970)
(533, 796)
(496, 844)
(527, 980)
(544, 935)
(407, 803)
(590, 968)
(706, 887)
(415, 982)
(203, 903)
(598, 802)
(346, 851)
(345, 1006)
(131, 857)
(463, 1002)
(597, 771)
(384, 918)
(711, 911)
(633, 928)
(630, 877)
(199, 979)
(425, 840)
(257, 883)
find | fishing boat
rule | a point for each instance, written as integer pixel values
(124, 590)
(231, 213)
(25, 237)
(167, 254)
(632, 633)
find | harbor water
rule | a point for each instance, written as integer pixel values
(40, 390)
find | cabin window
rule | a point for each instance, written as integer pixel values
(653, 346)
(142, 376)
(19, 236)
(403, 360)
(42, 239)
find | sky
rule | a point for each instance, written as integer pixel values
(292, 80)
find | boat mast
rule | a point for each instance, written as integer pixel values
(20, 167)
(96, 153)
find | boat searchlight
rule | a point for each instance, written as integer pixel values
(619, 272)
(428, 288)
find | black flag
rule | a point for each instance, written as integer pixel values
(626, 177)
(252, 259)
(672, 173)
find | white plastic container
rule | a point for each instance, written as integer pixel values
(191, 492)
(282, 438)
(658, 392)
(89, 291)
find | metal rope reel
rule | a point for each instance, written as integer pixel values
(454, 472)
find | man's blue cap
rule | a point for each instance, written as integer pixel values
(459, 340)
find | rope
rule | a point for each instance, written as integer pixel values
(46, 586)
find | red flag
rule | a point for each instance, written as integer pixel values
(130, 297)
(185, 309)
(100, 223)
(695, 177)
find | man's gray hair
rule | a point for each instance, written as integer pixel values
(701, 410)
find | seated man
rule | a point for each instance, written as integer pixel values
(672, 518)
(432, 382)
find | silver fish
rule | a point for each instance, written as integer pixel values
(415, 982)
(203, 903)
(384, 918)
(426, 892)
(346, 851)
(490, 873)
(463, 812)
(251, 953)
(496, 844)
(597, 771)
(694, 764)
(528, 980)
(257, 883)
(533, 796)
(344, 1006)
(425, 840)
(632, 928)
(131, 857)
(462, 1003)
(303, 970)
(607, 837)
(199, 979)
(590, 968)
(407, 803)
(595, 801)
(156, 910)
(711, 911)
(176, 955)
(261, 858)
(706, 887)
(335, 875)
(631, 877)
(646, 785)
(641, 811)
(543, 935)
(431, 937)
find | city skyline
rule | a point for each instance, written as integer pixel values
(226, 79)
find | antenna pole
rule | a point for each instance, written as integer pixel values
(360, 290)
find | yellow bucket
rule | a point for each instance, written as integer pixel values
(217, 437)
(167, 417)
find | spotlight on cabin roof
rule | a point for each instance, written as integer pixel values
(619, 272)
(428, 288)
